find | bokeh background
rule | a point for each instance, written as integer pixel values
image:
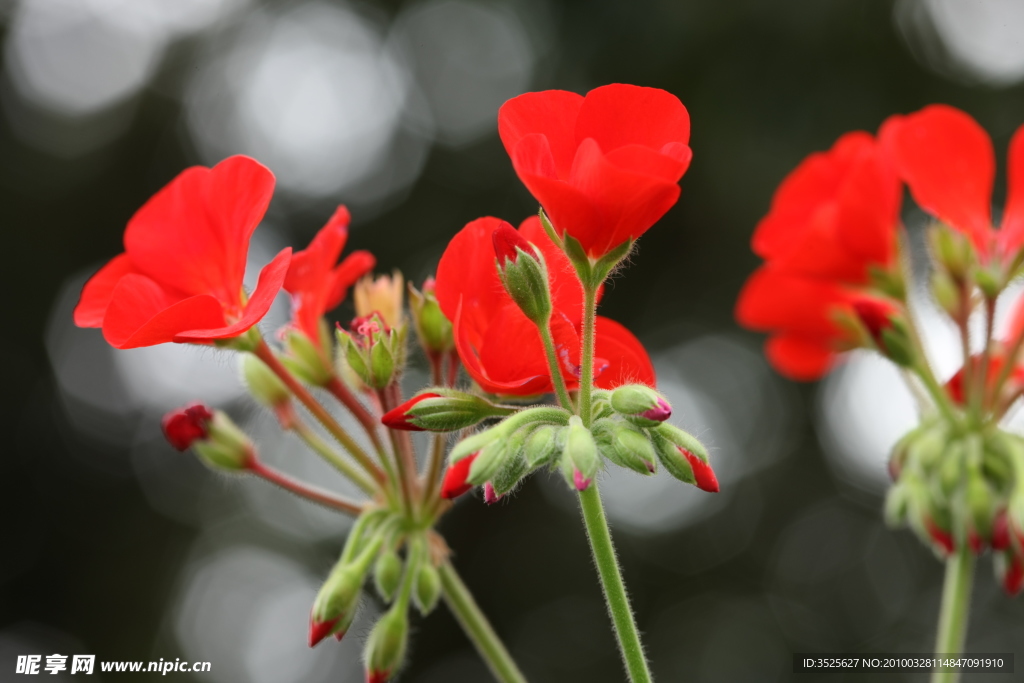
(113, 544)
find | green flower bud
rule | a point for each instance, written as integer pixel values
(442, 410)
(336, 602)
(387, 573)
(488, 463)
(227, 447)
(625, 446)
(523, 272)
(264, 385)
(633, 399)
(382, 365)
(432, 327)
(428, 588)
(542, 446)
(581, 450)
(385, 647)
(304, 359)
(511, 472)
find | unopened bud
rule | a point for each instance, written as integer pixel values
(305, 359)
(442, 412)
(428, 588)
(514, 469)
(941, 538)
(455, 482)
(523, 273)
(336, 602)
(490, 495)
(374, 352)
(488, 462)
(266, 387)
(381, 295)
(542, 446)
(688, 461)
(186, 425)
(946, 293)
(951, 250)
(432, 327)
(385, 647)
(581, 450)
(625, 446)
(387, 573)
(886, 329)
(638, 400)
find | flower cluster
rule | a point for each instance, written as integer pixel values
(836, 278)
(515, 308)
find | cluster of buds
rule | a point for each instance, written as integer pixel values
(372, 351)
(629, 430)
(962, 490)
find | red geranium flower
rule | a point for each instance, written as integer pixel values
(831, 220)
(315, 283)
(180, 277)
(499, 346)
(605, 167)
(948, 162)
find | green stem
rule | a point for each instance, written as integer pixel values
(460, 601)
(557, 380)
(614, 589)
(956, 601)
(587, 363)
(320, 447)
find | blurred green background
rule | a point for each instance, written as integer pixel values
(115, 545)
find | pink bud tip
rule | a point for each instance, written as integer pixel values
(875, 315)
(339, 635)
(506, 240)
(1013, 579)
(429, 285)
(454, 483)
(1000, 531)
(702, 472)
(658, 413)
(378, 676)
(490, 495)
(580, 482)
(186, 425)
(399, 418)
(940, 536)
(318, 630)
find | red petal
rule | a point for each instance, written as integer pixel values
(550, 114)
(354, 266)
(776, 300)
(466, 275)
(267, 286)
(627, 358)
(703, 475)
(1011, 232)
(96, 293)
(947, 160)
(803, 359)
(141, 313)
(193, 235)
(454, 482)
(647, 161)
(617, 115)
(310, 267)
(469, 354)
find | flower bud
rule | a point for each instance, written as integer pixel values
(373, 351)
(625, 446)
(447, 411)
(951, 250)
(941, 538)
(385, 647)
(886, 329)
(428, 588)
(433, 329)
(489, 462)
(264, 385)
(1010, 570)
(336, 602)
(523, 272)
(490, 495)
(387, 573)
(638, 400)
(946, 293)
(512, 472)
(186, 425)
(979, 504)
(304, 359)
(381, 295)
(455, 479)
(688, 461)
(581, 451)
(542, 446)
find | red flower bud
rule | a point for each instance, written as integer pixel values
(378, 676)
(940, 536)
(658, 413)
(506, 240)
(1013, 578)
(454, 483)
(185, 425)
(1000, 531)
(875, 316)
(703, 475)
(318, 630)
(490, 495)
(398, 418)
(581, 482)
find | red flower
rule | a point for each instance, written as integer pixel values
(831, 220)
(605, 167)
(315, 283)
(948, 162)
(180, 278)
(499, 346)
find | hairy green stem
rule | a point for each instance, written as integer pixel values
(557, 380)
(587, 362)
(460, 601)
(956, 603)
(614, 588)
